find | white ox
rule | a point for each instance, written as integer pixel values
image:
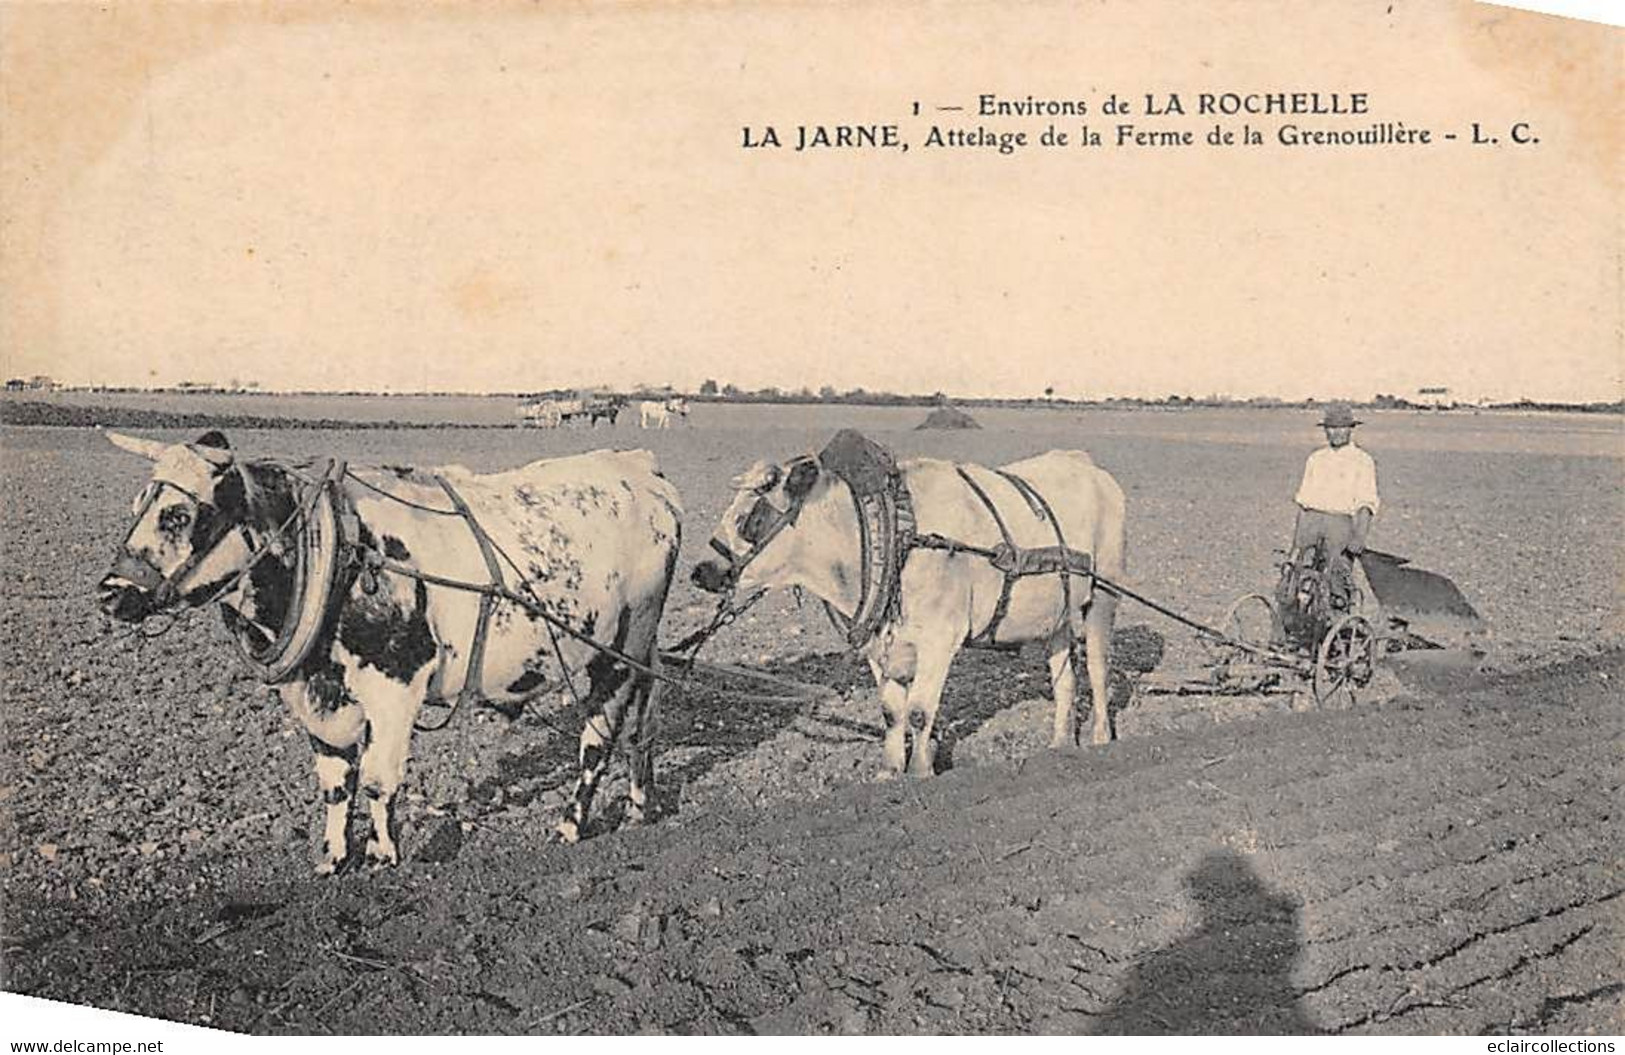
(946, 598)
(592, 540)
(657, 414)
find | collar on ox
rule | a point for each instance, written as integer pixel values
(315, 540)
(886, 529)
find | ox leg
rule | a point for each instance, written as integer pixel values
(1063, 679)
(383, 760)
(1097, 643)
(894, 702)
(893, 668)
(925, 696)
(335, 773)
(642, 750)
(597, 740)
(615, 685)
(337, 730)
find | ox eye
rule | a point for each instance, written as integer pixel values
(754, 526)
(174, 520)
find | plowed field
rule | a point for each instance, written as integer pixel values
(1445, 856)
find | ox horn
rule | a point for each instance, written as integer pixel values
(763, 476)
(216, 456)
(152, 449)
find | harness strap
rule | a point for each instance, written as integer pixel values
(1038, 502)
(1009, 558)
(984, 639)
(474, 679)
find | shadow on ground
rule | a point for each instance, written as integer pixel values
(1232, 975)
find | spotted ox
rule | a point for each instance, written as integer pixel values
(799, 525)
(590, 540)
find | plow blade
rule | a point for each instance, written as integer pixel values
(1428, 605)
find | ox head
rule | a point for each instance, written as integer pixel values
(755, 538)
(182, 546)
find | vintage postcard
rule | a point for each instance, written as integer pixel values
(857, 518)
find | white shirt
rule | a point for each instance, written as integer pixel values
(1339, 480)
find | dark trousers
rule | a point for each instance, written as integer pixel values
(1333, 531)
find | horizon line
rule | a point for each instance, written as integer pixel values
(858, 396)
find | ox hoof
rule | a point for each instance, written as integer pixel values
(885, 775)
(566, 832)
(379, 857)
(329, 866)
(922, 764)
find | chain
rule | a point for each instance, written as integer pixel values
(725, 614)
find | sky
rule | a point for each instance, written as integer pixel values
(502, 197)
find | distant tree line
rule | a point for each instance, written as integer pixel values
(717, 392)
(713, 391)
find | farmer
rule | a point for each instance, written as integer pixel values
(1337, 499)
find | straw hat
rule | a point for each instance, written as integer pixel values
(1338, 416)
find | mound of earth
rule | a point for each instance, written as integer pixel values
(948, 418)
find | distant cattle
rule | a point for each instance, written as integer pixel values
(551, 413)
(548, 413)
(358, 593)
(604, 408)
(657, 414)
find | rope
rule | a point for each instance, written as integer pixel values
(535, 606)
(531, 603)
(1206, 631)
(375, 489)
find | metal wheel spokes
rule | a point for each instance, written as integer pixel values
(1345, 661)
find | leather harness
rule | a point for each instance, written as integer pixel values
(328, 541)
(1015, 561)
(494, 589)
(327, 550)
(888, 535)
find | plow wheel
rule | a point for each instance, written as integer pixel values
(1345, 661)
(1252, 620)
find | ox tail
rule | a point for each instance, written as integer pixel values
(1111, 561)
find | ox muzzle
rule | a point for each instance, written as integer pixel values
(756, 530)
(133, 589)
(716, 576)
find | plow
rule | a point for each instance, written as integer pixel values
(1319, 631)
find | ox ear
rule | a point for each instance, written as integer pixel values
(151, 449)
(213, 448)
(801, 480)
(763, 477)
